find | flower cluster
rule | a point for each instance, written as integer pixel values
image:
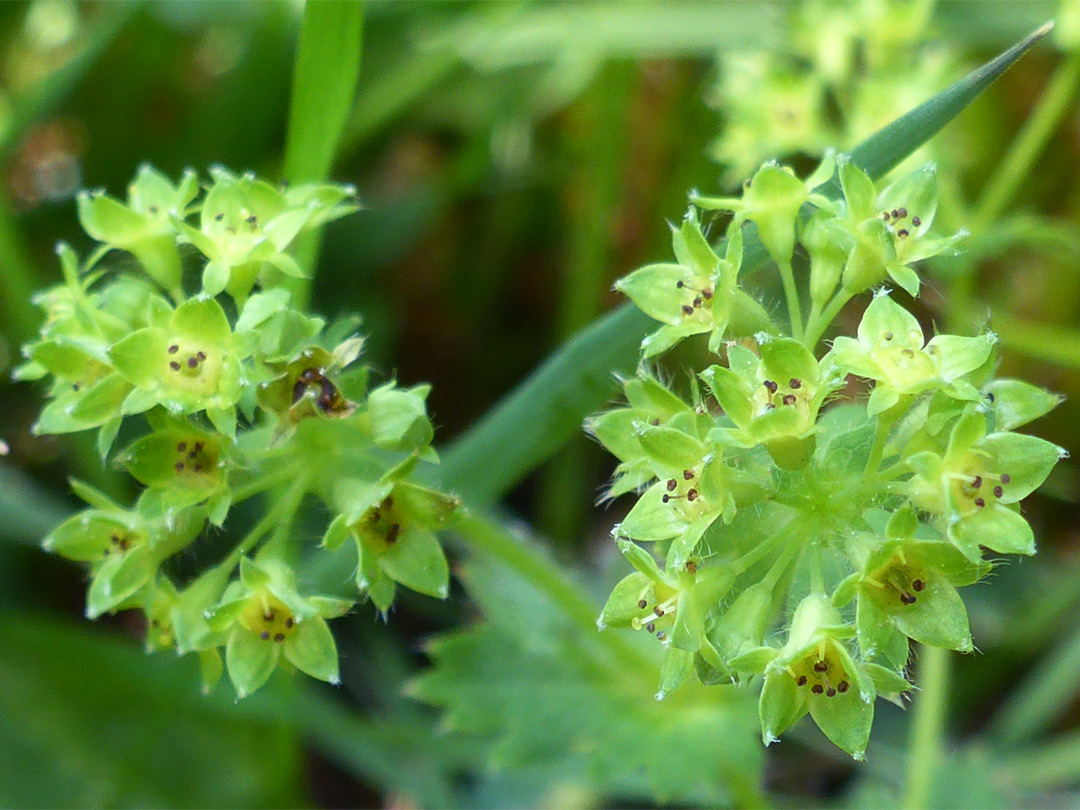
(844, 70)
(790, 528)
(225, 393)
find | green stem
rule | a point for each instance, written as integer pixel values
(817, 328)
(881, 438)
(1029, 143)
(783, 560)
(927, 733)
(1017, 164)
(263, 482)
(791, 293)
(280, 512)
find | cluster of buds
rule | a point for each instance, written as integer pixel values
(229, 391)
(789, 528)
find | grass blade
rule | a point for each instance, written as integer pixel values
(536, 418)
(324, 84)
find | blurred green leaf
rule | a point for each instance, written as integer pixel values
(92, 722)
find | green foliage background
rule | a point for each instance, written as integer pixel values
(515, 158)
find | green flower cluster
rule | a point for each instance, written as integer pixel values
(223, 394)
(845, 70)
(790, 529)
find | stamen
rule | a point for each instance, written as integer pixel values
(181, 447)
(688, 475)
(1005, 478)
(795, 383)
(902, 232)
(902, 212)
(179, 466)
(817, 688)
(264, 635)
(821, 666)
(998, 491)
(650, 627)
(918, 585)
(789, 399)
(771, 386)
(842, 687)
(672, 484)
(687, 310)
(279, 637)
(801, 681)
(691, 495)
(977, 482)
(174, 365)
(980, 502)
(174, 349)
(916, 221)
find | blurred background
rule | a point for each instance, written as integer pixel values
(514, 159)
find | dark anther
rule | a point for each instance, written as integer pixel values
(192, 454)
(193, 362)
(392, 535)
(885, 215)
(907, 599)
(902, 212)
(998, 491)
(659, 611)
(153, 209)
(918, 585)
(830, 692)
(821, 666)
(977, 482)
(697, 302)
(671, 485)
(706, 294)
(154, 622)
(298, 391)
(771, 386)
(688, 475)
(769, 406)
(641, 603)
(650, 627)
(980, 502)
(795, 383)
(289, 622)
(219, 217)
(691, 567)
(691, 495)
(907, 352)
(655, 423)
(181, 447)
(1005, 478)
(201, 355)
(74, 386)
(888, 336)
(279, 637)
(198, 447)
(895, 214)
(842, 687)
(990, 398)
(817, 688)
(679, 285)
(268, 616)
(115, 540)
(902, 232)
(665, 498)
(174, 365)
(251, 220)
(198, 468)
(179, 466)
(174, 349)
(264, 635)
(916, 221)
(789, 399)
(687, 310)
(801, 681)
(661, 636)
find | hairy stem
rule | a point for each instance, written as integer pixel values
(927, 732)
(815, 329)
(787, 276)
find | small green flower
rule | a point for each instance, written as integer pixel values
(124, 549)
(890, 230)
(890, 350)
(393, 523)
(814, 672)
(247, 225)
(182, 465)
(772, 400)
(188, 361)
(264, 617)
(772, 201)
(674, 605)
(906, 588)
(648, 402)
(144, 226)
(699, 294)
(976, 486)
(306, 386)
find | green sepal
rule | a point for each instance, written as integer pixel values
(676, 669)
(418, 562)
(250, 660)
(622, 606)
(311, 649)
(1015, 403)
